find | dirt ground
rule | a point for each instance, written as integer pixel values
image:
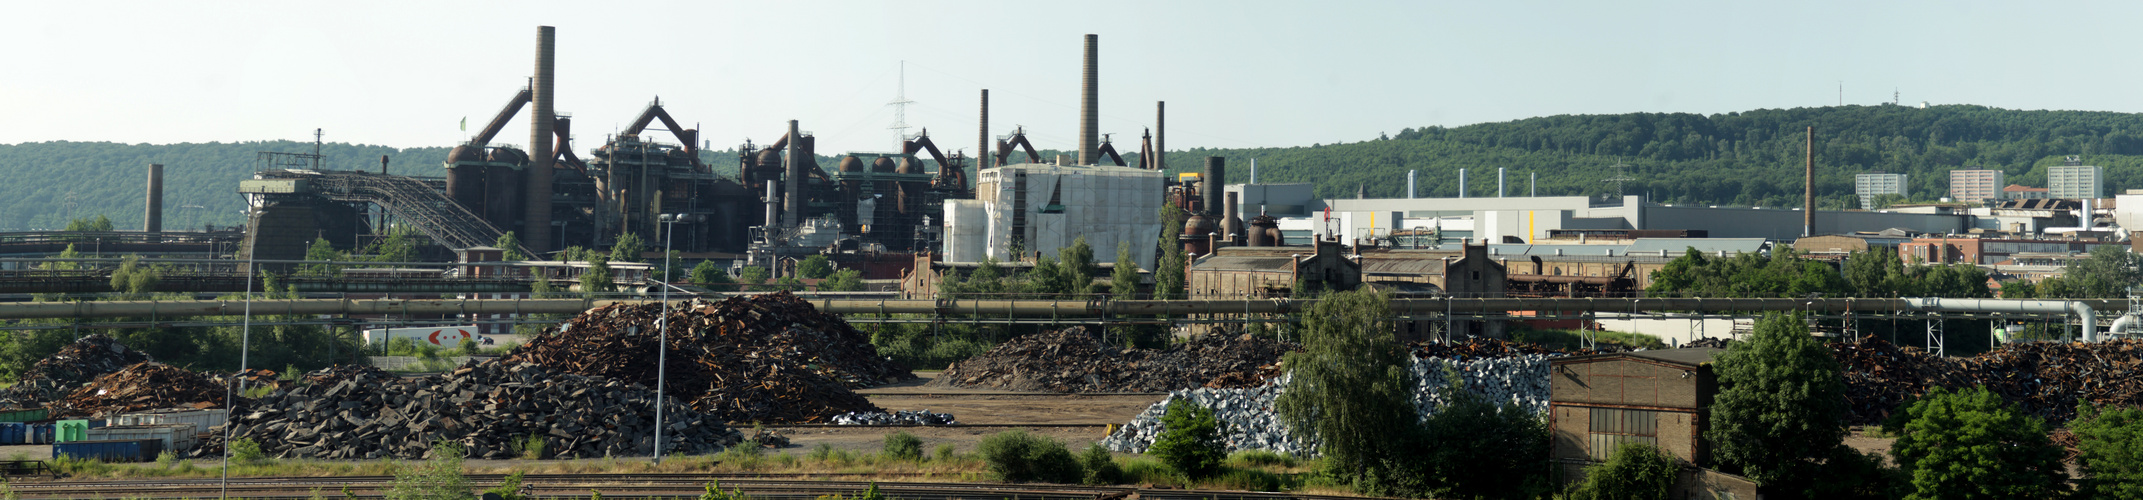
(1074, 419)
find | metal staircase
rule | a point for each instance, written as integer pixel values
(409, 199)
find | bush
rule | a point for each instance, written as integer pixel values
(903, 446)
(1479, 449)
(509, 488)
(1190, 440)
(1634, 471)
(529, 448)
(247, 451)
(944, 453)
(1016, 456)
(1262, 458)
(1101, 468)
(469, 347)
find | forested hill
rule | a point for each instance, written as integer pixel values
(1751, 158)
(1747, 159)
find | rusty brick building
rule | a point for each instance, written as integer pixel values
(1659, 397)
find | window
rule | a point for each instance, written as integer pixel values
(1611, 428)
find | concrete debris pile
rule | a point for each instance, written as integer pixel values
(491, 408)
(760, 358)
(1712, 342)
(338, 373)
(1500, 372)
(143, 386)
(2046, 379)
(79, 362)
(903, 417)
(1074, 360)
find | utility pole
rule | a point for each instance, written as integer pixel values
(1808, 201)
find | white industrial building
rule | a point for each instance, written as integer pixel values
(2075, 182)
(1873, 184)
(1032, 208)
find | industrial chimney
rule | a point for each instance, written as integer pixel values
(1160, 135)
(1089, 112)
(1213, 183)
(536, 220)
(793, 202)
(152, 218)
(982, 136)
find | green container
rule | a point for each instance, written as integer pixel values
(70, 430)
(30, 415)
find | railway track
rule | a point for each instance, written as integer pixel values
(625, 486)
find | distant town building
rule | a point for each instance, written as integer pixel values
(1976, 185)
(1872, 184)
(2075, 182)
(2022, 192)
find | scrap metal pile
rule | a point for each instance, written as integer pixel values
(144, 386)
(762, 358)
(2046, 379)
(59, 374)
(1073, 360)
(489, 408)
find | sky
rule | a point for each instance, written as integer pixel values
(1233, 74)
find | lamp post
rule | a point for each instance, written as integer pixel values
(662, 356)
(245, 344)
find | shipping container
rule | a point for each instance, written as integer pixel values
(41, 434)
(435, 336)
(130, 450)
(202, 420)
(23, 415)
(175, 437)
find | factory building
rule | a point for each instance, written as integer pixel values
(1023, 209)
(1660, 398)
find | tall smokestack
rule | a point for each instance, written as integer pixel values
(793, 203)
(1214, 182)
(1499, 182)
(982, 136)
(152, 217)
(536, 221)
(1462, 183)
(1808, 186)
(1231, 223)
(1409, 184)
(1089, 112)
(1160, 135)
(383, 164)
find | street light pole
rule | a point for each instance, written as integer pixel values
(245, 343)
(662, 356)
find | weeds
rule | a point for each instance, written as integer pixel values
(246, 451)
(904, 446)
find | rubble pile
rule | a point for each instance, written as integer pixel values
(55, 376)
(1074, 360)
(1499, 371)
(143, 386)
(903, 417)
(490, 408)
(2046, 379)
(760, 358)
(1712, 342)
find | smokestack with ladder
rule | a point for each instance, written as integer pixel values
(1089, 112)
(536, 220)
(152, 218)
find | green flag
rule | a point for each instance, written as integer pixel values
(465, 124)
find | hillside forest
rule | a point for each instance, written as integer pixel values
(1750, 158)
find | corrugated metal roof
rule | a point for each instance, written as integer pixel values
(1706, 245)
(1409, 266)
(1228, 263)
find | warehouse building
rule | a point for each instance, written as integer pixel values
(1659, 398)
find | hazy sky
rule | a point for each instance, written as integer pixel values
(1234, 74)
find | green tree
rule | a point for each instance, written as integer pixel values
(1479, 449)
(598, 279)
(815, 267)
(2106, 273)
(706, 273)
(399, 246)
(1079, 269)
(1780, 411)
(134, 278)
(321, 251)
(1168, 279)
(1353, 391)
(627, 248)
(846, 280)
(1971, 444)
(2110, 446)
(99, 223)
(752, 275)
(512, 245)
(1634, 471)
(1190, 440)
(1124, 280)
